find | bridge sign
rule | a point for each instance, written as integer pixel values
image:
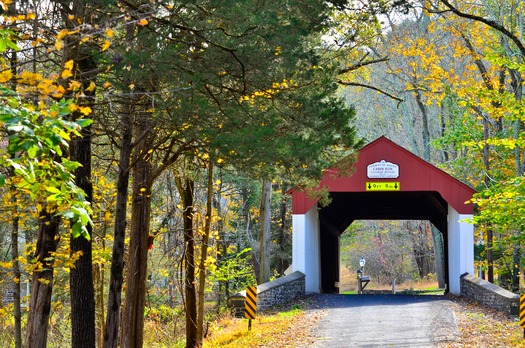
(382, 169)
(383, 186)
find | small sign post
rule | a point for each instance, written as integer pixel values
(251, 305)
(522, 313)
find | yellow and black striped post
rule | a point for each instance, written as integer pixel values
(250, 308)
(522, 313)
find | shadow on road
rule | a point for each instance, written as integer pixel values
(348, 301)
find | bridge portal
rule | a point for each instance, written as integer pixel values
(388, 183)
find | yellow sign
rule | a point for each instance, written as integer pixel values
(251, 302)
(383, 186)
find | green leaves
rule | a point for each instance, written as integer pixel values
(5, 40)
(37, 140)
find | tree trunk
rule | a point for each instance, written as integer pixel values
(283, 257)
(17, 310)
(486, 162)
(425, 129)
(222, 247)
(81, 276)
(133, 313)
(42, 282)
(111, 334)
(186, 190)
(265, 235)
(439, 259)
(249, 232)
(204, 255)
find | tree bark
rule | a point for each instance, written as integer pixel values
(425, 129)
(283, 257)
(17, 310)
(133, 313)
(186, 190)
(82, 291)
(204, 255)
(111, 334)
(439, 256)
(42, 282)
(265, 235)
(81, 276)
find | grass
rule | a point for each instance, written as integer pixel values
(267, 330)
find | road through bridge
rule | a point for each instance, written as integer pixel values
(384, 321)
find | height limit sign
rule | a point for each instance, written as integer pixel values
(250, 308)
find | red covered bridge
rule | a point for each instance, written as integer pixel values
(391, 183)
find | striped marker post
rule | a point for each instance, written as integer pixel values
(250, 308)
(522, 313)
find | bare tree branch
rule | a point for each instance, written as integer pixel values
(356, 84)
(363, 63)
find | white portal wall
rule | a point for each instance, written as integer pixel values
(306, 254)
(306, 249)
(460, 248)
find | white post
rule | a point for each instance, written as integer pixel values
(306, 248)
(460, 248)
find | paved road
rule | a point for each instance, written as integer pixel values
(384, 321)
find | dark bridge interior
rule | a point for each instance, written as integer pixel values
(346, 207)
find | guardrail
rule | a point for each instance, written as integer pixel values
(271, 294)
(489, 294)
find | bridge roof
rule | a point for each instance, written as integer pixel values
(385, 171)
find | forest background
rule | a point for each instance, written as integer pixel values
(147, 147)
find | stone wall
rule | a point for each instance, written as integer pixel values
(271, 294)
(489, 294)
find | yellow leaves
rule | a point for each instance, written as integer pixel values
(109, 32)
(86, 110)
(59, 45)
(6, 265)
(6, 76)
(5, 4)
(66, 73)
(277, 87)
(74, 85)
(36, 42)
(59, 92)
(106, 45)
(143, 22)
(44, 281)
(91, 87)
(62, 34)
(68, 67)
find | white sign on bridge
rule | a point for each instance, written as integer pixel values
(382, 169)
